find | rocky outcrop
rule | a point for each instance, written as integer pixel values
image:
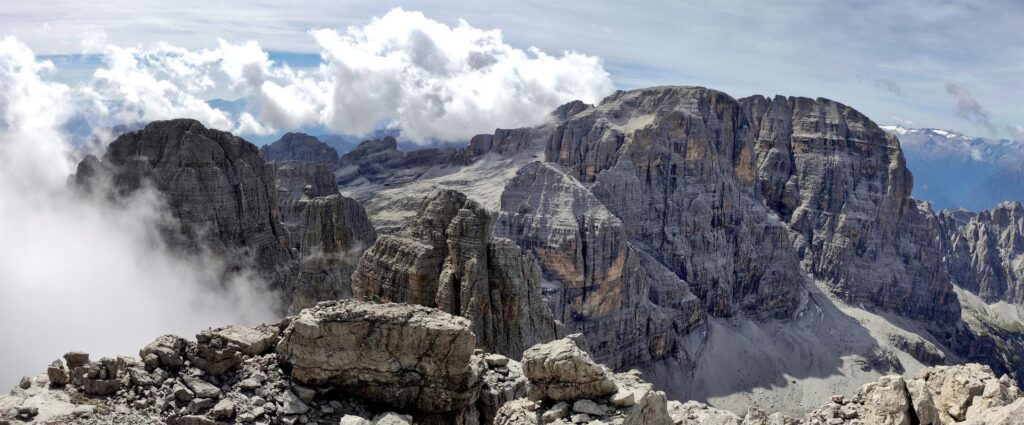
(984, 255)
(300, 147)
(842, 186)
(329, 231)
(630, 308)
(335, 232)
(446, 258)
(297, 181)
(215, 184)
(410, 357)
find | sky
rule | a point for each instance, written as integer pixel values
(946, 64)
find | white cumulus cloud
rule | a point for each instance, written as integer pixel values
(436, 81)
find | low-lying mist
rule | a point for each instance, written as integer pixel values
(84, 271)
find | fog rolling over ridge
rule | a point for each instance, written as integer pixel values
(87, 272)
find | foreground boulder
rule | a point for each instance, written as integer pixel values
(566, 386)
(561, 370)
(411, 357)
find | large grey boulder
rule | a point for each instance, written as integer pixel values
(220, 350)
(410, 357)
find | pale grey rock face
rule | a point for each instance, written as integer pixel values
(215, 184)
(842, 186)
(673, 162)
(300, 147)
(629, 307)
(407, 356)
(446, 258)
(757, 180)
(984, 255)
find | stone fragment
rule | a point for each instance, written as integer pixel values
(354, 420)
(560, 370)
(588, 407)
(224, 409)
(167, 352)
(201, 388)
(558, 411)
(57, 374)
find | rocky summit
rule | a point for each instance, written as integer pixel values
(350, 362)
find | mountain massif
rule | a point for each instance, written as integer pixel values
(755, 254)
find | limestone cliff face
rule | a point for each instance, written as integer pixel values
(446, 258)
(677, 166)
(215, 184)
(300, 147)
(841, 185)
(985, 255)
(632, 311)
(335, 231)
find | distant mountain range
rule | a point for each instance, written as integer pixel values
(952, 170)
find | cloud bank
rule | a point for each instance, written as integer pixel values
(402, 70)
(79, 272)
